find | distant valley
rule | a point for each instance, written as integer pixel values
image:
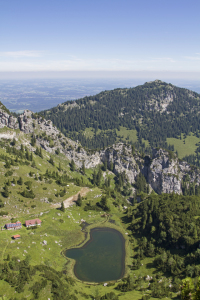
(37, 95)
(41, 94)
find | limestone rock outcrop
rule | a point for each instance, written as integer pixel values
(163, 171)
(8, 120)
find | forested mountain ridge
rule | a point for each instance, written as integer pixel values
(156, 110)
(162, 172)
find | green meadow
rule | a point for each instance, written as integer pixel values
(46, 244)
(185, 146)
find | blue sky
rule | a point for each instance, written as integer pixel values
(92, 35)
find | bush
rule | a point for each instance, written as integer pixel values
(28, 184)
(7, 165)
(28, 194)
(2, 213)
(20, 181)
(5, 193)
(51, 161)
(9, 173)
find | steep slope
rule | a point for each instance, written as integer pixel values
(163, 171)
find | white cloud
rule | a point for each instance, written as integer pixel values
(49, 62)
(77, 64)
(21, 54)
(192, 57)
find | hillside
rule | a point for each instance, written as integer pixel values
(152, 200)
(163, 171)
(156, 112)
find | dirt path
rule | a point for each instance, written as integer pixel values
(71, 200)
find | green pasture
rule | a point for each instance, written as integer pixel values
(127, 135)
(185, 146)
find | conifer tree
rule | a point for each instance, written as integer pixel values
(79, 200)
(59, 168)
(7, 164)
(51, 161)
(72, 165)
(37, 152)
(105, 165)
(33, 141)
(20, 181)
(83, 168)
(5, 192)
(62, 207)
(40, 153)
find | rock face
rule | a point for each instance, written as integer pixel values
(8, 120)
(118, 155)
(123, 161)
(163, 172)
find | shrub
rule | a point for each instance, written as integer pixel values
(20, 181)
(28, 184)
(5, 193)
(28, 194)
(2, 213)
(9, 173)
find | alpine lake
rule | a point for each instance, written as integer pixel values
(100, 259)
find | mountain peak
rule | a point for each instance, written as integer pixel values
(155, 81)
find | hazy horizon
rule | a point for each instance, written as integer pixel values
(40, 94)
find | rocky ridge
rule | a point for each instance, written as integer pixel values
(163, 173)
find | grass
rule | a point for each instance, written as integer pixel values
(127, 135)
(63, 235)
(89, 132)
(123, 134)
(60, 230)
(184, 148)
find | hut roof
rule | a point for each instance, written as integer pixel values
(16, 236)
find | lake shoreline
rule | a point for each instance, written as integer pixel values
(88, 238)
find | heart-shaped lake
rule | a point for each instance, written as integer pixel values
(102, 258)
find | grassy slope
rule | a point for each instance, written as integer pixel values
(186, 148)
(130, 135)
(63, 228)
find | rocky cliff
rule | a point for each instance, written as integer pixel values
(163, 172)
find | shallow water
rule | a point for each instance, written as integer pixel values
(102, 258)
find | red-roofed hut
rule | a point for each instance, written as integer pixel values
(33, 222)
(16, 236)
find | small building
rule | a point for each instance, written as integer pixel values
(17, 225)
(16, 237)
(33, 222)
